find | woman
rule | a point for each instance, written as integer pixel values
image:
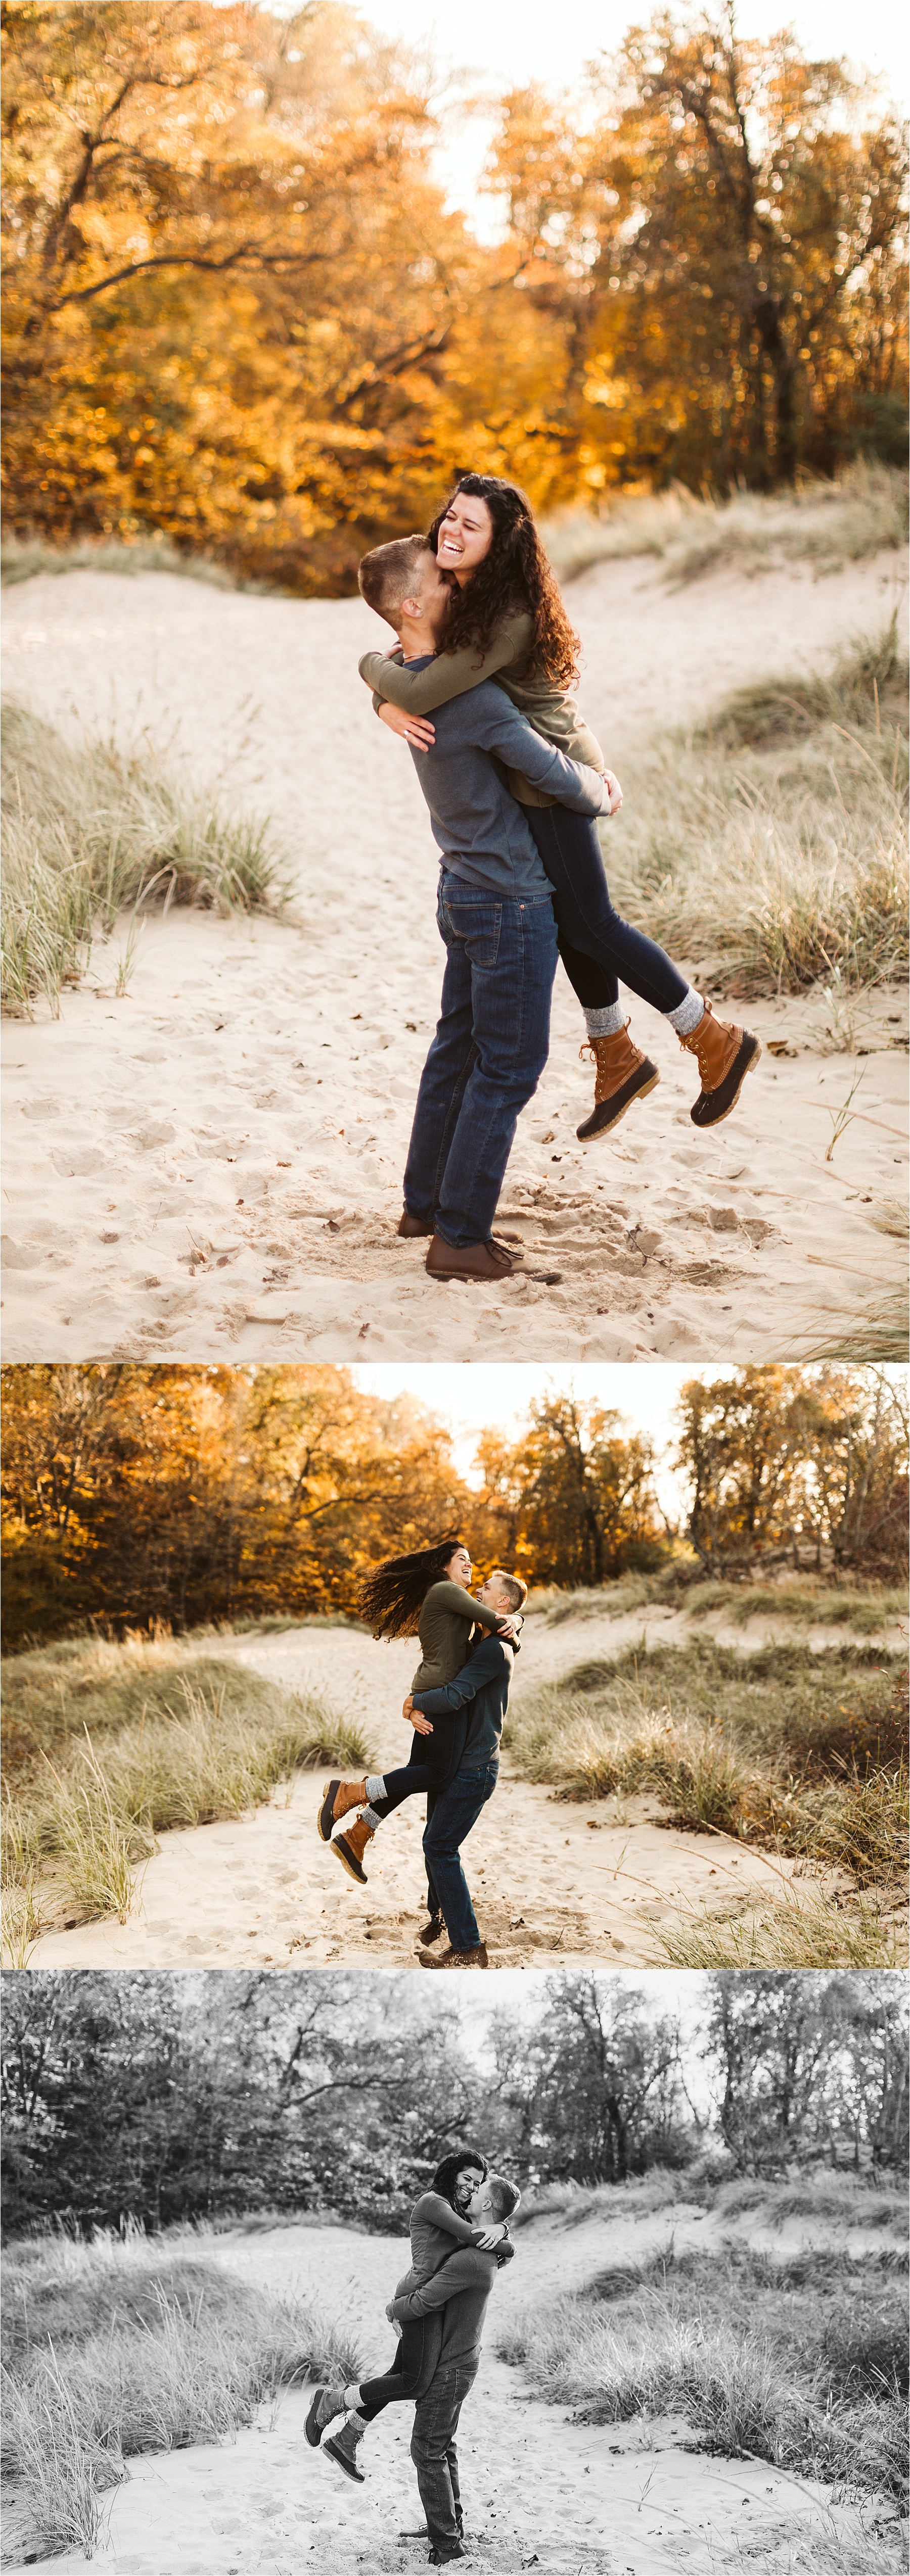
(439, 2222)
(507, 622)
(425, 1595)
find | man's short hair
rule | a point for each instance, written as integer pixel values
(515, 1590)
(390, 573)
(504, 2196)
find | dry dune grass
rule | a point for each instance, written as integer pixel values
(771, 847)
(90, 830)
(693, 533)
(112, 1744)
(797, 2358)
(788, 1748)
(128, 2345)
(865, 1608)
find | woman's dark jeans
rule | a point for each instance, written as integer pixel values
(595, 943)
(412, 2369)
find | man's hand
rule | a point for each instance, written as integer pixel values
(421, 1725)
(612, 786)
(413, 729)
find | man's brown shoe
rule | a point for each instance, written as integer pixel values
(492, 1260)
(338, 1797)
(349, 1848)
(622, 1074)
(431, 1931)
(412, 1225)
(725, 1054)
(450, 1958)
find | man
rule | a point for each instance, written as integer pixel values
(495, 914)
(461, 2289)
(482, 1687)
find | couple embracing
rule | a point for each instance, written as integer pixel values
(457, 1706)
(459, 2239)
(480, 688)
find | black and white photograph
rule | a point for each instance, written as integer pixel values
(584, 2273)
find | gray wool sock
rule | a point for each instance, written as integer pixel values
(368, 1816)
(687, 1014)
(606, 1023)
(375, 1785)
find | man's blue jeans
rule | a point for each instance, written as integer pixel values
(434, 2453)
(491, 1044)
(455, 1811)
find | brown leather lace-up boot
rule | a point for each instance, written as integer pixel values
(349, 1848)
(725, 1054)
(622, 1074)
(338, 1797)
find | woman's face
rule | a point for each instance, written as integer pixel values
(465, 536)
(466, 2183)
(459, 1568)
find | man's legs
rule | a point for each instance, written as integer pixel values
(442, 1086)
(509, 950)
(455, 1811)
(435, 2456)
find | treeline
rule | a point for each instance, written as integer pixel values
(238, 312)
(135, 1494)
(187, 2096)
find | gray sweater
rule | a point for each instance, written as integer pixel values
(484, 836)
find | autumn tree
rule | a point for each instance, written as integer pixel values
(574, 1495)
(808, 1464)
(808, 2069)
(723, 231)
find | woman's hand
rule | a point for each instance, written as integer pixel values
(491, 2236)
(612, 786)
(413, 729)
(507, 1628)
(421, 1724)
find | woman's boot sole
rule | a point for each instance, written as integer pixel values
(751, 1060)
(325, 1818)
(588, 1134)
(349, 1861)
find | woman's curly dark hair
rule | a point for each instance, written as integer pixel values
(515, 574)
(446, 2174)
(392, 1597)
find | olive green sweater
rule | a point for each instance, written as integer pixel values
(444, 1628)
(547, 706)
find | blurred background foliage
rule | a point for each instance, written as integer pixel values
(140, 1494)
(194, 2095)
(240, 316)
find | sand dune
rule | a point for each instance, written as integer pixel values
(540, 2491)
(553, 1885)
(172, 1183)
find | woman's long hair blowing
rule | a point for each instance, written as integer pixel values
(515, 574)
(392, 1597)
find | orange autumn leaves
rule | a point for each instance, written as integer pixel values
(239, 312)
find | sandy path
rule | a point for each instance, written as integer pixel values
(539, 2490)
(553, 1885)
(172, 1184)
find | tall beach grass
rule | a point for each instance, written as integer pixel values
(89, 831)
(864, 511)
(135, 1739)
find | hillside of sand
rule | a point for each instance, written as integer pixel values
(553, 1884)
(639, 2498)
(172, 1185)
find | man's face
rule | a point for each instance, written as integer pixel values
(493, 1592)
(467, 2183)
(430, 595)
(481, 2203)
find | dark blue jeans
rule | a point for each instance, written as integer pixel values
(433, 2450)
(595, 943)
(455, 1811)
(491, 1044)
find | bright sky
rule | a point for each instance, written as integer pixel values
(514, 42)
(468, 1396)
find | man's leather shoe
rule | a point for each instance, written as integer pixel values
(413, 1225)
(431, 1931)
(492, 1260)
(443, 2557)
(450, 1958)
